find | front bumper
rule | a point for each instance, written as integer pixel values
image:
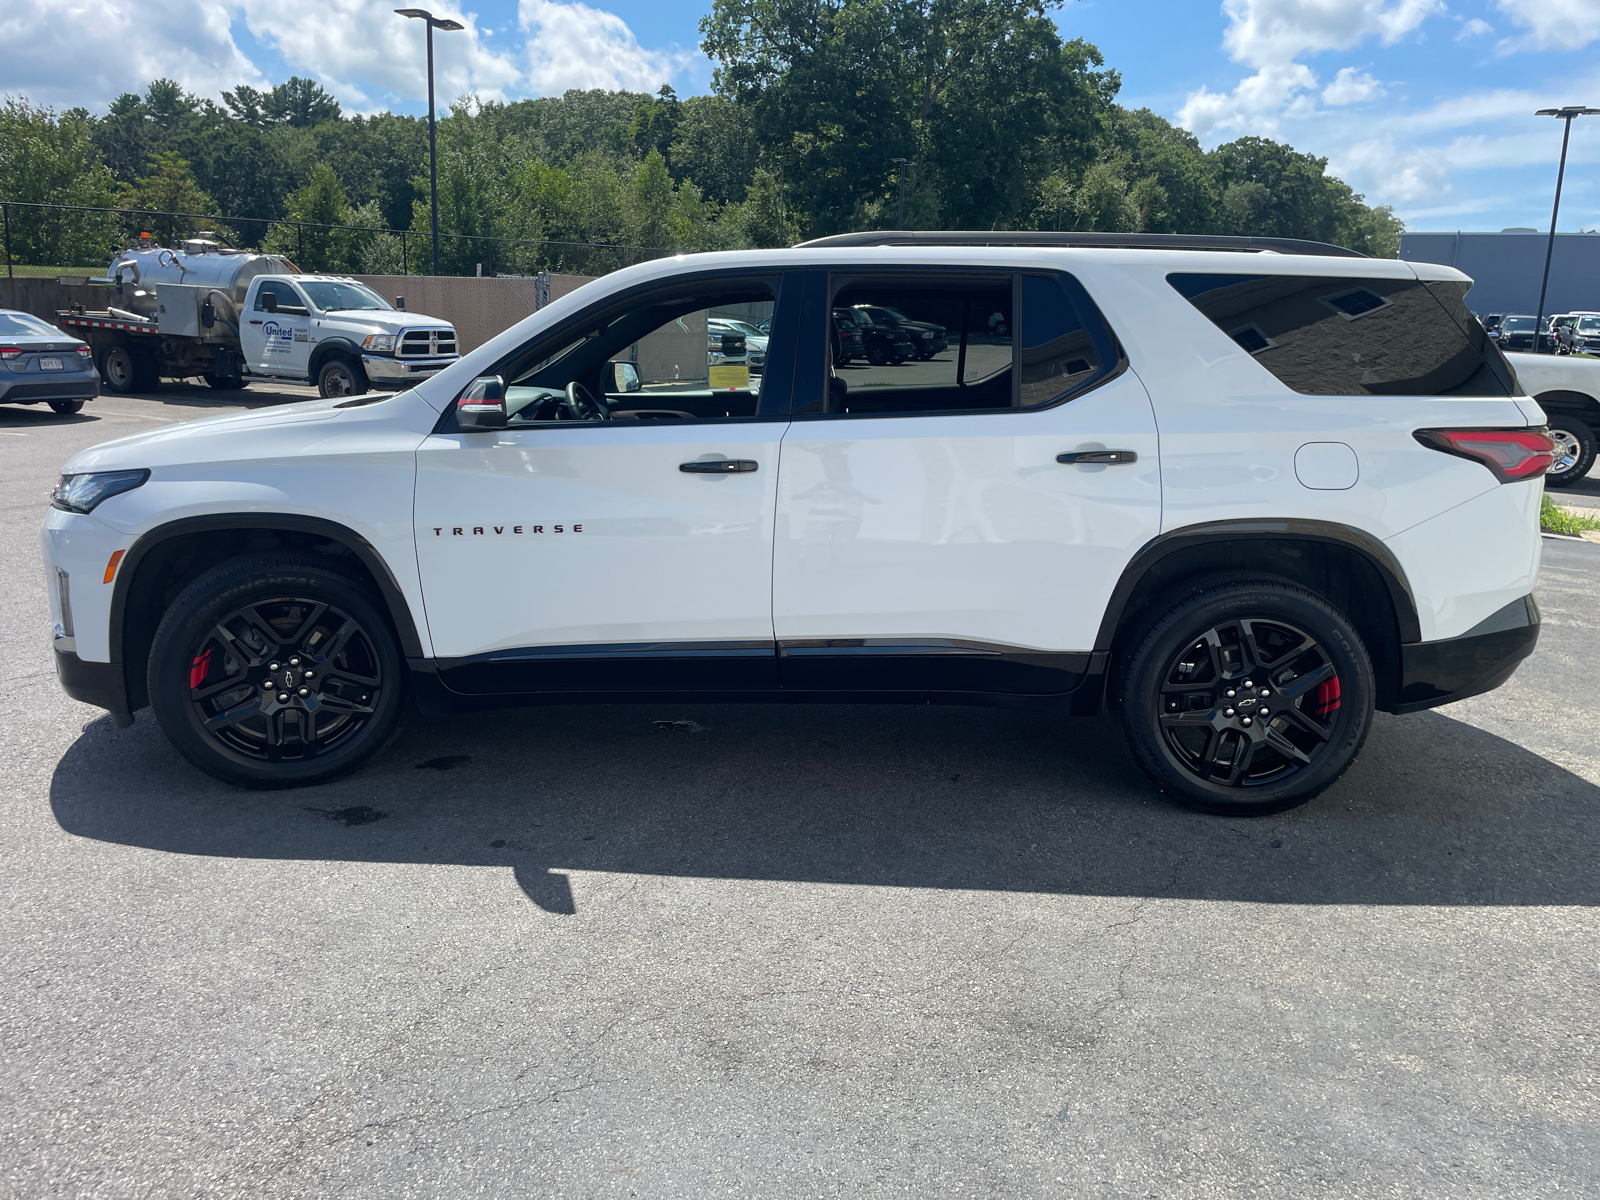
(1435, 673)
(386, 371)
(99, 684)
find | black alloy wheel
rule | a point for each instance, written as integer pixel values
(878, 352)
(1575, 451)
(1248, 697)
(276, 672)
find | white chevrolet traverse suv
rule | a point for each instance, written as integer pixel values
(1239, 492)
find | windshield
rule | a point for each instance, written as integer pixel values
(1517, 325)
(1589, 325)
(746, 328)
(332, 297)
(16, 324)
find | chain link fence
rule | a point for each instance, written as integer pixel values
(75, 240)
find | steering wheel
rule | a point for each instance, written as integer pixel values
(581, 405)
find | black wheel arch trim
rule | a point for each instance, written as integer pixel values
(339, 347)
(389, 588)
(1585, 405)
(1370, 548)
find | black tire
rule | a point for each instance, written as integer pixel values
(1267, 645)
(340, 377)
(66, 408)
(146, 371)
(205, 677)
(878, 352)
(119, 369)
(1575, 451)
(224, 383)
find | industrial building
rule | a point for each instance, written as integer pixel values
(1507, 268)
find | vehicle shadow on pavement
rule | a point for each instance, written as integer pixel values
(1436, 812)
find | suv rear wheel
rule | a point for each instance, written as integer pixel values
(1575, 450)
(276, 672)
(1247, 697)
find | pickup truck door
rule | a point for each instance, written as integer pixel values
(277, 343)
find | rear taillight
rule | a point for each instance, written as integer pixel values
(84, 351)
(1512, 454)
(9, 352)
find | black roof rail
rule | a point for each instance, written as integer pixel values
(1118, 241)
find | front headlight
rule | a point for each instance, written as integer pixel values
(80, 493)
(378, 343)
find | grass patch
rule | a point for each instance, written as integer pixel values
(22, 272)
(1555, 519)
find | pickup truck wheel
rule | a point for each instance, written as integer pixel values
(273, 671)
(341, 377)
(118, 370)
(1247, 697)
(1575, 451)
(224, 383)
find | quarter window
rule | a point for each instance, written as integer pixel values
(1354, 337)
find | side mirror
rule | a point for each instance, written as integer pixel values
(269, 301)
(400, 303)
(624, 378)
(482, 406)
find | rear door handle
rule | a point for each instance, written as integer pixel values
(1098, 458)
(721, 466)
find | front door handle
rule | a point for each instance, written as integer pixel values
(1098, 458)
(721, 466)
(255, 320)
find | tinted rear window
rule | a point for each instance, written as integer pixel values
(1355, 337)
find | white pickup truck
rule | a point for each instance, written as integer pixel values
(232, 316)
(1567, 387)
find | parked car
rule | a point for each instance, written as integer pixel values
(1586, 335)
(1241, 590)
(927, 339)
(754, 343)
(881, 343)
(850, 345)
(1491, 322)
(1567, 388)
(1516, 333)
(41, 365)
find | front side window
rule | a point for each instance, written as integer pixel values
(287, 297)
(1355, 337)
(686, 356)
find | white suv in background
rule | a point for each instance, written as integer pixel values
(1241, 499)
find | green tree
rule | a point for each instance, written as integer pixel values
(715, 147)
(313, 235)
(300, 103)
(47, 158)
(655, 122)
(169, 188)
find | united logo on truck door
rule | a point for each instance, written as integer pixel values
(501, 530)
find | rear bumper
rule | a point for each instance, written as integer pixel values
(36, 387)
(1435, 673)
(99, 684)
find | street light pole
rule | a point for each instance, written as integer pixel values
(1566, 114)
(447, 25)
(903, 163)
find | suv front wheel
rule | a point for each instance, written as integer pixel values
(276, 672)
(1247, 697)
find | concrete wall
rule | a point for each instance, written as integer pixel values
(1506, 268)
(478, 308)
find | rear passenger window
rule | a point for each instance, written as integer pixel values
(917, 345)
(1354, 337)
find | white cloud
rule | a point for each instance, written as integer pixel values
(359, 50)
(1270, 34)
(1476, 27)
(1351, 86)
(86, 52)
(571, 45)
(1552, 24)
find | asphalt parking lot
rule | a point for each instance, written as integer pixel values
(659, 951)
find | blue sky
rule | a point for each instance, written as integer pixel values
(1425, 105)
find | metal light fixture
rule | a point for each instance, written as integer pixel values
(1567, 114)
(448, 26)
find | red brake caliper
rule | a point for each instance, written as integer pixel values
(199, 668)
(1326, 701)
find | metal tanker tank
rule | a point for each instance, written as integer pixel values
(135, 274)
